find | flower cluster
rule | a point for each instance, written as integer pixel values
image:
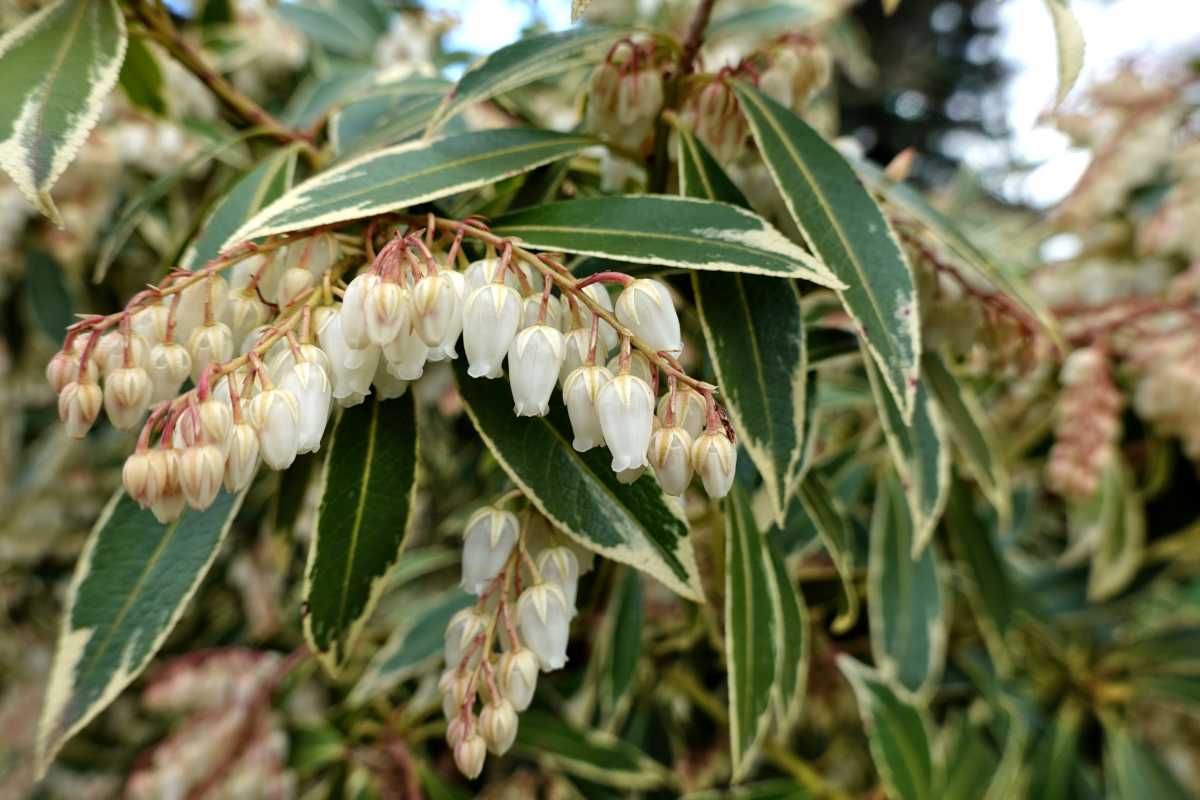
(1089, 425)
(525, 606)
(269, 350)
(625, 96)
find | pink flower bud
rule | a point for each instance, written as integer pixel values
(469, 755)
(534, 358)
(127, 394)
(671, 457)
(580, 393)
(714, 458)
(626, 409)
(201, 469)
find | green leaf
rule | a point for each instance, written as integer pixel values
(904, 596)
(1056, 754)
(131, 585)
(333, 29)
(526, 61)
(412, 647)
(987, 585)
(593, 755)
(142, 79)
(969, 430)
(754, 329)
(578, 492)
(318, 94)
(362, 525)
(1068, 35)
(1121, 539)
(49, 299)
(752, 636)
(386, 115)
(774, 789)
(58, 66)
(897, 732)
(773, 18)
(1135, 772)
(627, 633)
(837, 534)
(921, 455)
(666, 230)
(843, 225)
(401, 176)
(792, 641)
(968, 760)
(271, 178)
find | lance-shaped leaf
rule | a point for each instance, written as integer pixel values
(836, 532)
(665, 230)
(844, 226)
(591, 755)
(1134, 771)
(904, 596)
(362, 525)
(261, 185)
(391, 179)
(626, 607)
(1068, 35)
(338, 30)
(525, 61)
(131, 585)
(58, 65)
(897, 732)
(386, 115)
(578, 492)
(1056, 754)
(921, 455)
(141, 78)
(754, 329)
(1120, 532)
(49, 298)
(791, 617)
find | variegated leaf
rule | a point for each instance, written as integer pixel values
(1068, 35)
(592, 755)
(835, 529)
(58, 66)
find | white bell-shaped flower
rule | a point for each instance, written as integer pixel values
(353, 310)
(481, 272)
(127, 393)
(275, 414)
(490, 321)
(498, 725)
(201, 469)
(189, 314)
(208, 422)
(350, 371)
(309, 383)
(518, 674)
(533, 361)
(558, 565)
(687, 410)
(606, 333)
(242, 461)
(170, 502)
(78, 406)
(151, 322)
(243, 313)
(543, 619)
(406, 356)
(460, 632)
(110, 351)
(671, 456)
(645, 308)
(581, 393)
(169, 365)
(639, 365)
(626, 409)
(488, 541)
(469, 755)
(446, 349)
(389, 312)
(386, 385)
(714, 458)
(295, 282)
(531, 309)
(209, 344)
(435, 304)
(575, 350)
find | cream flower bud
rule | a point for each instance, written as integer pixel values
(110, 352)
(406, 355)
(170, 502)
(628, 476)
(639, 365)
(78, 406)
(387, 385)
(435, 302)
(689, 411)
(460, 632)
(150, 322)
(209, 344)
(169, 365)
(64, 368)
(308, 382)
(446, 349)
(543, 619)
(626, 409)
(488, 541)
(208, 422)
(189, 314)
(490, 321)
(469, 755)
(531, 309)
(351, 371)
(244, 271)
(533, 361)
(714, 458)
(275, 414)
(295, 282)
(498, 724)
(581, 392)
(645, 308)
(558, 565)
(243, 313)
(480, 273)
(461, 726)
(242, 461)
(518, 674)
(315, 255)
(453, 686)
(671, 456)
(389, 312)
(127, 394)
(201, 469)
(575, 350)
(140, 479)
(607, 337)
(353, 310)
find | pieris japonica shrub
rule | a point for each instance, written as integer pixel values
(602, 421)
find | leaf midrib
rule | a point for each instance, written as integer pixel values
(52, 75)
(359, 510)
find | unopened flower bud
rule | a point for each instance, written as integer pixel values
(490, 321)
(580, 393)
(518, 674)
(139, 478)
(459, 726)
(480, 273)
(460, 632)
(127, 394)
(533, 362)
(671, 456)
(315, 255)
(243, 313)
(242, 460)
(639, 365)
(469, 755)
(150, 322)
(406, 356)
(531, 309)
(170, 502)
(201, 469)
(714, 458)
(169, 365)
(110, 352)
(602, 98)
(189, 314)
(64, 368)
(453, 686)
(626, 409)
(498, 724)
(558, 565)
(294, 283)
(78, 406)
(275, 414)
(544, 620)
(208, 344)
(434, 304)
(353, 310)
(685, 408)
(645, 308)
(389, 312)
(488, 540)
